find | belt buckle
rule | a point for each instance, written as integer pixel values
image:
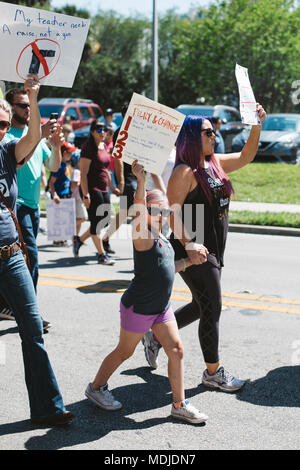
(4, 252)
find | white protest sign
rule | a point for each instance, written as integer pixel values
(61, 220)
(148, 134)
(45, 43)
(247, 100)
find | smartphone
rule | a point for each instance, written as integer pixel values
(54, 116)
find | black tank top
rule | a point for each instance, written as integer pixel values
(215, 219)
(154, 272)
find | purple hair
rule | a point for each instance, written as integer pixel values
(188, 150)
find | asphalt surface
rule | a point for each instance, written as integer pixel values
(260, 342)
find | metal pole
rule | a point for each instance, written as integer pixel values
(154, 91)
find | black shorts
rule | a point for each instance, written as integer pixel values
(99, 211)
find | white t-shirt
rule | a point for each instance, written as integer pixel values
(165, 174)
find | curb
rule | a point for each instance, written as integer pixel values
(256, 229)
(265, 230)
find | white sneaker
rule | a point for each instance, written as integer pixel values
(103, 398)
(222, 380)
(151, 349)
(187, 412)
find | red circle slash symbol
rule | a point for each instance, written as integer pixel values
(35, 60)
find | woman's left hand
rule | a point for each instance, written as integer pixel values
(261, 113)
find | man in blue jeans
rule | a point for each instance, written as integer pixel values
(16, 286)
(29, 176)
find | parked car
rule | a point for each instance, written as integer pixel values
(230, 117)
(81, 111)
(82, 134)
(279, 140)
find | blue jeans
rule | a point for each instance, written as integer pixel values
(17, 288)
(29, 221)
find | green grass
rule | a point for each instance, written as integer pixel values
(277, 219)
(267, 182)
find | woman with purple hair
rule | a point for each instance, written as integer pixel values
(200, 180)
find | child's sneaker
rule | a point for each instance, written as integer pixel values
(103, 398)
(187, 412)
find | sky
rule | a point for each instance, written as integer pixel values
(131, 7)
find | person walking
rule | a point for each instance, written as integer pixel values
(94, 181)
(146, 304)
(29, 175)
(16, 284)
(201, 178)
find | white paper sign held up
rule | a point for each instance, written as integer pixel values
(61, 220)
(148, 134)
(247, 99)
(40, 42)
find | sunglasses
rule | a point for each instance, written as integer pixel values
(154, 211)
(4, 125)
(209, 132)
(101, 129)
(22, 105)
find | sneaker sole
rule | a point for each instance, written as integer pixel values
(106, 408)
(216, 386)
(7, 317)
(190, 420)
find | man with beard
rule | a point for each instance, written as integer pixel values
(29, 176)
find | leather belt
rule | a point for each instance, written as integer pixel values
(8, 250)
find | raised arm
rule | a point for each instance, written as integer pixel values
(234, 161)
(140, 232)
(25, 146)
(56, 139)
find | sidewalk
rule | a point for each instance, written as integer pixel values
(263, 207)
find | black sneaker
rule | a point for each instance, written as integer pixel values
(46, 326)
(104, 259)
(108, 248)
(76, 245)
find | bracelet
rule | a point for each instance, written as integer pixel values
(184, 264)
(138, 200)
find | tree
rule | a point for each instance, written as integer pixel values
(262, 36)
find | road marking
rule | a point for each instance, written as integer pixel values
(179, 293)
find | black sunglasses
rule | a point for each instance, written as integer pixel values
(209, 132)
(154, 211)
(4, 125)
(101, 129)
(22, 105)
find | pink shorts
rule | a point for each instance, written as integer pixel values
(137, 323)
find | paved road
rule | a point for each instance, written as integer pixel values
(260, 341)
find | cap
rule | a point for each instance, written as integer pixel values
(108, 111)
(66, 146)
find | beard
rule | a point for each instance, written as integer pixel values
(20, 119)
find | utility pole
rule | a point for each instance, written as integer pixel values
(154, 91)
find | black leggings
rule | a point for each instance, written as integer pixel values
(204, 283)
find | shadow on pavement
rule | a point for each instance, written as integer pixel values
(12, 330)
(280, 387)
(113, 285)
(92, 424)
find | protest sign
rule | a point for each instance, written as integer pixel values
(148, 134)
(247, 100)
(61, 220)
(40, 42)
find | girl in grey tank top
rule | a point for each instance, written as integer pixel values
(146, 304)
